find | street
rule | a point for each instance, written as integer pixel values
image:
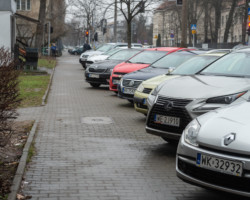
(92, 145)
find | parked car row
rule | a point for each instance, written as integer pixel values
(195, 97)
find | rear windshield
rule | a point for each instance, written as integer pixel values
(194, 65)
(147, 57)
(172, 60)
(123, 55)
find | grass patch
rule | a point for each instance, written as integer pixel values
(47, 62)
(32, 89)
(31, 152)
(5, 197)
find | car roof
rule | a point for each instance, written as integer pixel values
(163, 49)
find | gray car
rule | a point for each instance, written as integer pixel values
(174, 103)
(214, 150)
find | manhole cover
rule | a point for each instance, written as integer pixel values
(96, 120)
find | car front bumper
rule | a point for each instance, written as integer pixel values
(140, 102)
(102, 79)
(188, 171)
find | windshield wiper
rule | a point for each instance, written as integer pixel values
(140, 63)
(226, 75)
(128, 61)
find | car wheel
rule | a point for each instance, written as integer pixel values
(95, 85)
(130, 101)
(83, 65)
(170, 141)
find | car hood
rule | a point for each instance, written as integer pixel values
(91, 52)
(106, 64)
(97, 57)
(145, 73)
(216, 125)
(203, 87)
(129, 67)
(153, 82)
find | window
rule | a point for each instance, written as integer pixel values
(23, 4)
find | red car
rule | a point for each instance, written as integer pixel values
(139, 61)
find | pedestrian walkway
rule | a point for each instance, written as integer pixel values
(92, 145)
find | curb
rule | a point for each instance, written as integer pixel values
(45, 96)
(22, 164)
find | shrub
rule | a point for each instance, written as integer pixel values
(9, 94)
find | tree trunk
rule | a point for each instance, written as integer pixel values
(229, 20)
(184, 24)
(206, 21)
(39, 30)
(217, 5)
(129, 33)
(244, 23)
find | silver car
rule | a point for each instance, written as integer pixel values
(214, 150)
(174, 103)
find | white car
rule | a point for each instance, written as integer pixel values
(214, 150)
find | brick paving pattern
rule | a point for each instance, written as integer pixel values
(92, 145)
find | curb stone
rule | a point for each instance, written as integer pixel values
(48, 88)
(22, 164)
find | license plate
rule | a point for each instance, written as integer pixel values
(128, 90)
(144, 102)
(94, 76)
(218, 164)
(167, 120)
(116, 82)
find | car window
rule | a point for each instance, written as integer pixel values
(233, 64)
(147, 57)
(106, 47)
(194, 65)
(172, 60)
(123, 55)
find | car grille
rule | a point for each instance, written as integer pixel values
(178, 110)
(131, 83)
(119, 73)
(147, 90)
(89, 62)
(216, 178)
(85, 56)
(92, 69)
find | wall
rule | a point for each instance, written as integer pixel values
(5, 33)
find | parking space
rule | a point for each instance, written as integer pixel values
(92, 145)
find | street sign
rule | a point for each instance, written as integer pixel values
(193, 26)
(172, 35)
(193, 31)
(155, 37)
(248, 11)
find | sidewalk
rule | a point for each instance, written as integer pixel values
(92, 145)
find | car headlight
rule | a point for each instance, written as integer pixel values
(225, 99)
(191, 132)
(140, 88)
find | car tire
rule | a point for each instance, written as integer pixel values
(170, 141)
(95, 85)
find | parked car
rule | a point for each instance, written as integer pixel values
(139, 61)
(77, 51)
(173, 104)
(191, 66)
(131, 81)
(99, 73)
(214, 150)
(104, 48)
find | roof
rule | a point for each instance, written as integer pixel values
(166, 4)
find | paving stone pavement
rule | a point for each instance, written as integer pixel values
(92, 145)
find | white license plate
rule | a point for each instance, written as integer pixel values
(94, 76)
(219, 164)
(128, 90)
(116, 82)
(167, 120)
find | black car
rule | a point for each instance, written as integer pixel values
(162, 66)
(77, 51)
(99, 73)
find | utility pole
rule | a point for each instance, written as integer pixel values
(184, 24)
(49, 38)
(115, 22)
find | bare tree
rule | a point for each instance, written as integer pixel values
(229, 20)
(9, 94)
(39, 31)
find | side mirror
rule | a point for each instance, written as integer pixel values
(170, 69)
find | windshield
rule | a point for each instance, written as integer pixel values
(123, 55)
(105, 47)
(111, 52)
(233, 64)
(172, 60)
(147, 57)
(194, 65)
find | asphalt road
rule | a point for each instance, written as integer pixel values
(92, 145)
